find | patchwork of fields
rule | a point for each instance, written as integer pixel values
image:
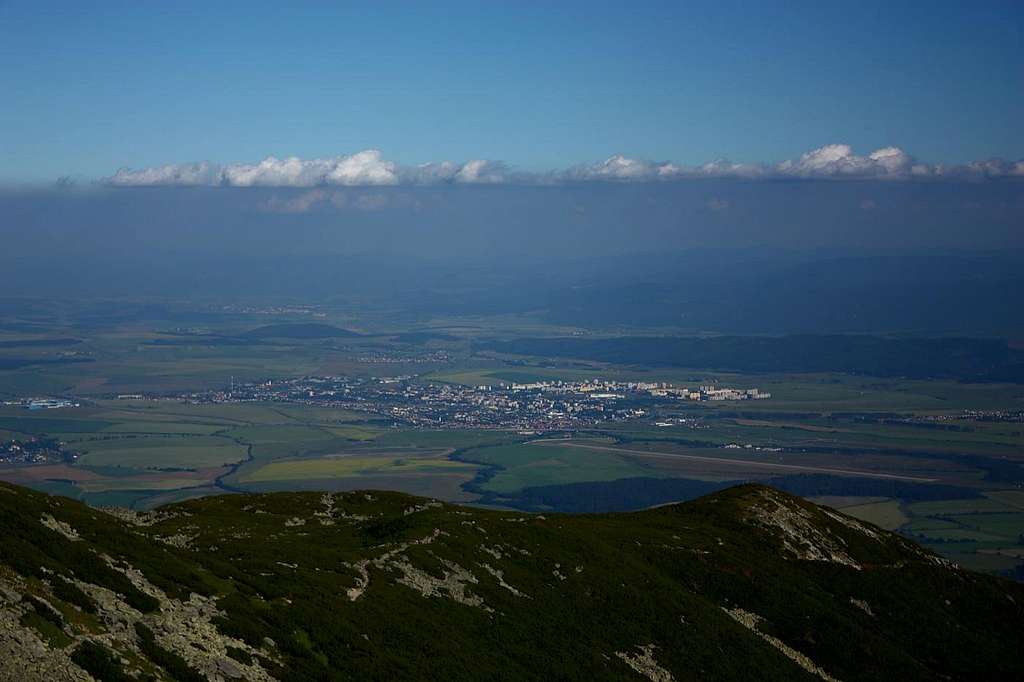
(984, 533)
(888, 450)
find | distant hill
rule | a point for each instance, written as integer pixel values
(920, 358)
(418, 338)
(746, 583)
(627, 494)
(299, 331)
(38, 343)
(9, 362)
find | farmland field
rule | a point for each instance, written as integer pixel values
(886, 514)
(160, 453)
(890, 450)
(343, 466)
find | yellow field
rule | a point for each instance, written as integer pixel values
(886, 514)
(349, 466)
(844, 501)
(354, 432)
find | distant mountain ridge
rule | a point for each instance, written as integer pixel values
(258, 336)
(746, 583)
(727, 291)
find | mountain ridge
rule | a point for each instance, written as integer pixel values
(745, 583)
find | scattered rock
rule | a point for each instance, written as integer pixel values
(862, 605)
(60, 527)
(421, 507)
(852, 523)
(452, 584)
(500, 577)
(800, 536)
(493, 551)
(644, 664)
(363, 566)
(179, 540)
(750, 621)
(24, 657)
(137, 518)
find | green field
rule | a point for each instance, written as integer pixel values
(821, 421)
(161, 453)
(524, 465)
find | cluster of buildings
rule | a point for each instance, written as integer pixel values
(273, 310)
(42, 403)
(600, 388)
(407, 400)
(1011, 416)
(749, 446)
(949, 421)
(721, 393)
(34, 451)
(393, 358)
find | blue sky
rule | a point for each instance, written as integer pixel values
(89, 88)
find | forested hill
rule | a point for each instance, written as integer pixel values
(746, 583)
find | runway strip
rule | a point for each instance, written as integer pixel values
(740, 462)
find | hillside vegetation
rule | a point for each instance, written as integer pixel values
(746, 583)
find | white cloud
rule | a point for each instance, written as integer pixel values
(365, 168)
(362, 169)
(482, 171)
(431, 173)
(892, 159)
(727, 169)
(619, 167)
(830, 161)
(477, 171)
(837, 160)
(370, 169)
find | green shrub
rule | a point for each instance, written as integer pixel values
(168, 660)
(98, 661)
(68, 592)
(44, 610)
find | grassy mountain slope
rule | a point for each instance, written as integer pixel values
(748, 583)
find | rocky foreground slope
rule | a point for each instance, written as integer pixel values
(748, 583)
